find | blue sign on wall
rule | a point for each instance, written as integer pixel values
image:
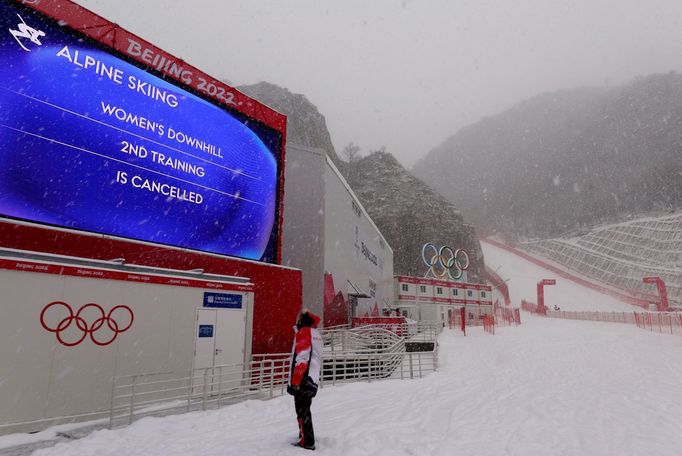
(223, 300)
(92, 142)
(205, 330)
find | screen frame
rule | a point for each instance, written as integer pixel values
(100, 33)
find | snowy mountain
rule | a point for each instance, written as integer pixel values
(567, 159)
(409, 213)
(406, 210)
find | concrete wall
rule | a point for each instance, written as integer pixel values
(303, 227)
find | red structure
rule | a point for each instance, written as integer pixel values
(458, 319)
(497, 282)
(336, 309)
(662, 291)
(541, 294)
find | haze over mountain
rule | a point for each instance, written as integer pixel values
(566, 159)
(406, 210)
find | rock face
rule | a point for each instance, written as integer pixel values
(409, 214)
(305, 125)
(566, 160)
(406, 210)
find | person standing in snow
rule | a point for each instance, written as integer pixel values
(304, 374)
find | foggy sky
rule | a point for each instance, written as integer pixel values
(406, 74)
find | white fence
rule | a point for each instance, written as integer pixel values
(350, 355)
(161, 393)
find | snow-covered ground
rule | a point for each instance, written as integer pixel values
(548, 387)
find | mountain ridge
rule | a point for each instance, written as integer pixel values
(564, 160)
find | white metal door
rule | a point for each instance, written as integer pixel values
(230, 335)
(220, 337)
(220, 344)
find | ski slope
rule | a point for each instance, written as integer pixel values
(548, 387)
(523, 277)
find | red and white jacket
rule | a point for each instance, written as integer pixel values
(306, 354)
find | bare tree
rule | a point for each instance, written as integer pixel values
(351, 153)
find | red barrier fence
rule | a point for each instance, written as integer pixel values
(529, 306)
(508, 316)
(667, 323)
(489, 324)
(613, 317)
(458, 320)
(661, 322)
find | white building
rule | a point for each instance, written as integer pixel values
(436, 300)
(347, 263)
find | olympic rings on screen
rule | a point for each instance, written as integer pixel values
(92, 328)
(445, 263)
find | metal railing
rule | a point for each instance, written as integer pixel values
(423, 330)
(162, 393)
(358, 339)
(362, 354)
(353, 367)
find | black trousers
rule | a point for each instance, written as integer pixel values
(305, 420)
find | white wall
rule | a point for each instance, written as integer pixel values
(41, 379)
(355, 250)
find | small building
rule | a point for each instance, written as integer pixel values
(435, 300)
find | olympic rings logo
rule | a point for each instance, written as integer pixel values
(73, 335)
(445, 263)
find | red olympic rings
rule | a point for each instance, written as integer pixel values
(83, 325)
